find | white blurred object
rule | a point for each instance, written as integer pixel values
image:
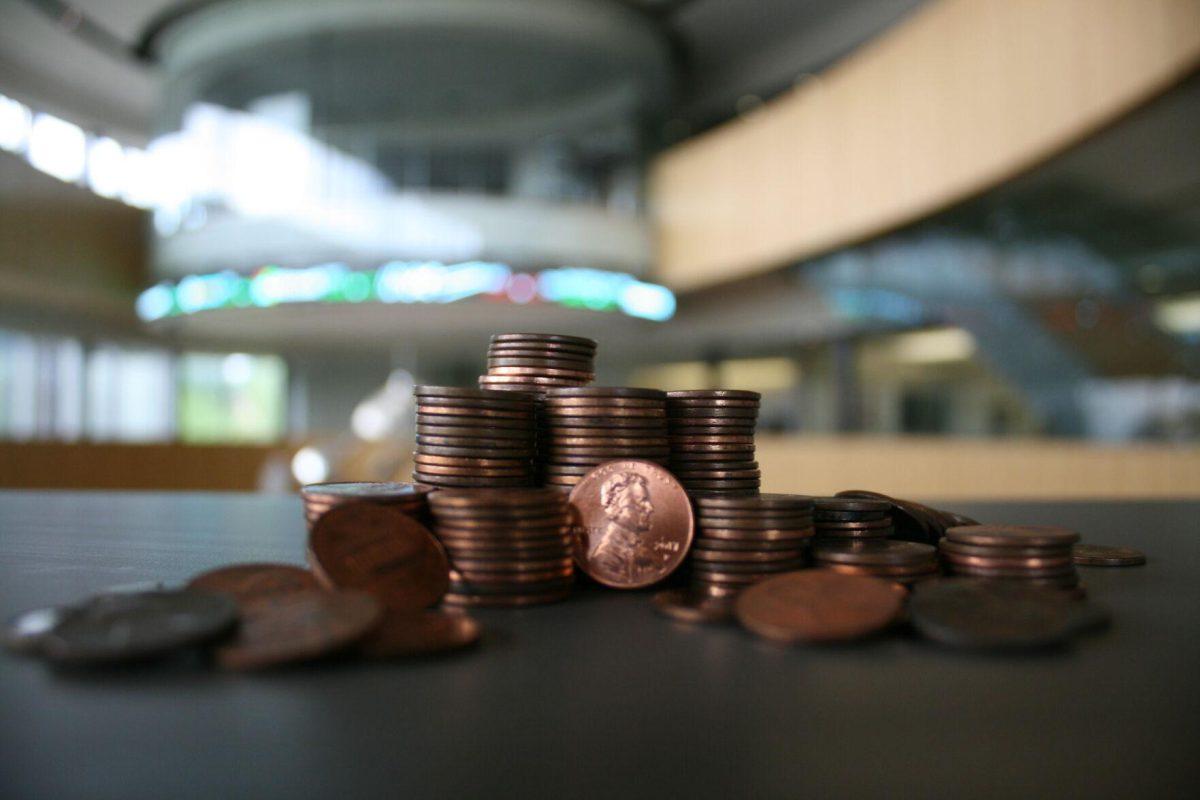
(385, 413)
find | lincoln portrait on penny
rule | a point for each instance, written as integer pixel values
(618, 548)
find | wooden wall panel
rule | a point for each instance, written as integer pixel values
(963, 95)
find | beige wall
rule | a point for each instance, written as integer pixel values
(948, 469)
(963, 95)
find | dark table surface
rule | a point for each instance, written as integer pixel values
(598, 696)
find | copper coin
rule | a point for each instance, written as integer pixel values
(1056, 551)
(881, 553)
(854, 534)
(552, 422)
(554, 449)
(523, 563)
(516, 448)
(676, 432)
(381, 551)
(1013, 535)
(817, 606)
(708, 543)
(547, 338)
(451, 461)
(300, 626)
(693, 405)
(537, 382)
(994, 615)
(505, 554)
(742, 567)
(603, 392)
(607, 442)
(463, 482)
(549, 432)
(850, 504)
(836, 527)
(460, 431)
(458, 391)
(685, 605)
(476, 501)
(635, 523)
(724, 423)
(545, 372)
(712, 413)
(704, 440)
(988, 562)
(684, 447)
(707, 519)
(1010, 572)
(573, 413)
(749, 556)
(517, 580)
(554, 402)
(540, 361)
(519, 406)
(699, 458)
(427, 470)
(731, 580)
(767, 534)
(472, 416)
(714, 394)
(879, 570)
(850, 516)
(246, 583)
(420, 633)
(1098, 555)
(508, 601)
(544, 349)
(473, 452)
(718, 474)
(911, 523)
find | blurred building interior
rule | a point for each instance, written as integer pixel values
(954, 243)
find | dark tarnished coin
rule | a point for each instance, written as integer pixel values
(817, 606)
(246, 583)
(995, 615)
(850, 504)
(602, 392)
(878, 553)
(25, 633)
(1013, 535)
(420, 633)
(547, 338)
(120, 627)
(714, 394)
(300, 626)
(635, 523)
(381, 551)
(685, 605)
(1098, 555)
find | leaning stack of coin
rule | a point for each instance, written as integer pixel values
(407, 497)
(507, 547)
(852, 519)
(1037, 554)
(474, 438)
(902, 562)
(712, 440)
(538, 362)
(741, 540)
(913, 521)
(586, 426)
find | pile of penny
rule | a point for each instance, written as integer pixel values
(509, 547)
(913, 521)
(851, 519)
(1035, 554)
(586, 426)
(712, 440)
(902, 562)
(538, 362)
(474, 438)
(741, 540)
(319, 498)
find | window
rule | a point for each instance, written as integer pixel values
(233, 397)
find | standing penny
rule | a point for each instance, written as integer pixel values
(420, 633)
(382, 551)
(120, 627)
(301, 626)
(246, 583)
(818, 606)
(635, 523)
(1099, 555)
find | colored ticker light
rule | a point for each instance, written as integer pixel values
(407, 282)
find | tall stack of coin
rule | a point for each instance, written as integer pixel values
(586, 426)
(474, 438)
(712, 440)
(852, 519)
(538, 362)
(507, 547)
(741, 540)
(903, 562)
(407, 497)
(1038, 554)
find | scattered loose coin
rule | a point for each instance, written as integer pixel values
(246, 583)
(296, 627)
(1097, 555)
(420, 633)
(686, 605)
(996, 615)
(120, 627)
(381, 551)
(817, 606)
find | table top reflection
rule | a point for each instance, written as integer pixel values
(598, 696)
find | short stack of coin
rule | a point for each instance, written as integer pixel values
(474, 438)
(741, 540)
(903, 562)
(712, 440)
(852, 519)
(538, 362)
(507, 547)
(586, 426)
(1037, 554)
(407, 497)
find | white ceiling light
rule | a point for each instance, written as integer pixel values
(57, 147)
